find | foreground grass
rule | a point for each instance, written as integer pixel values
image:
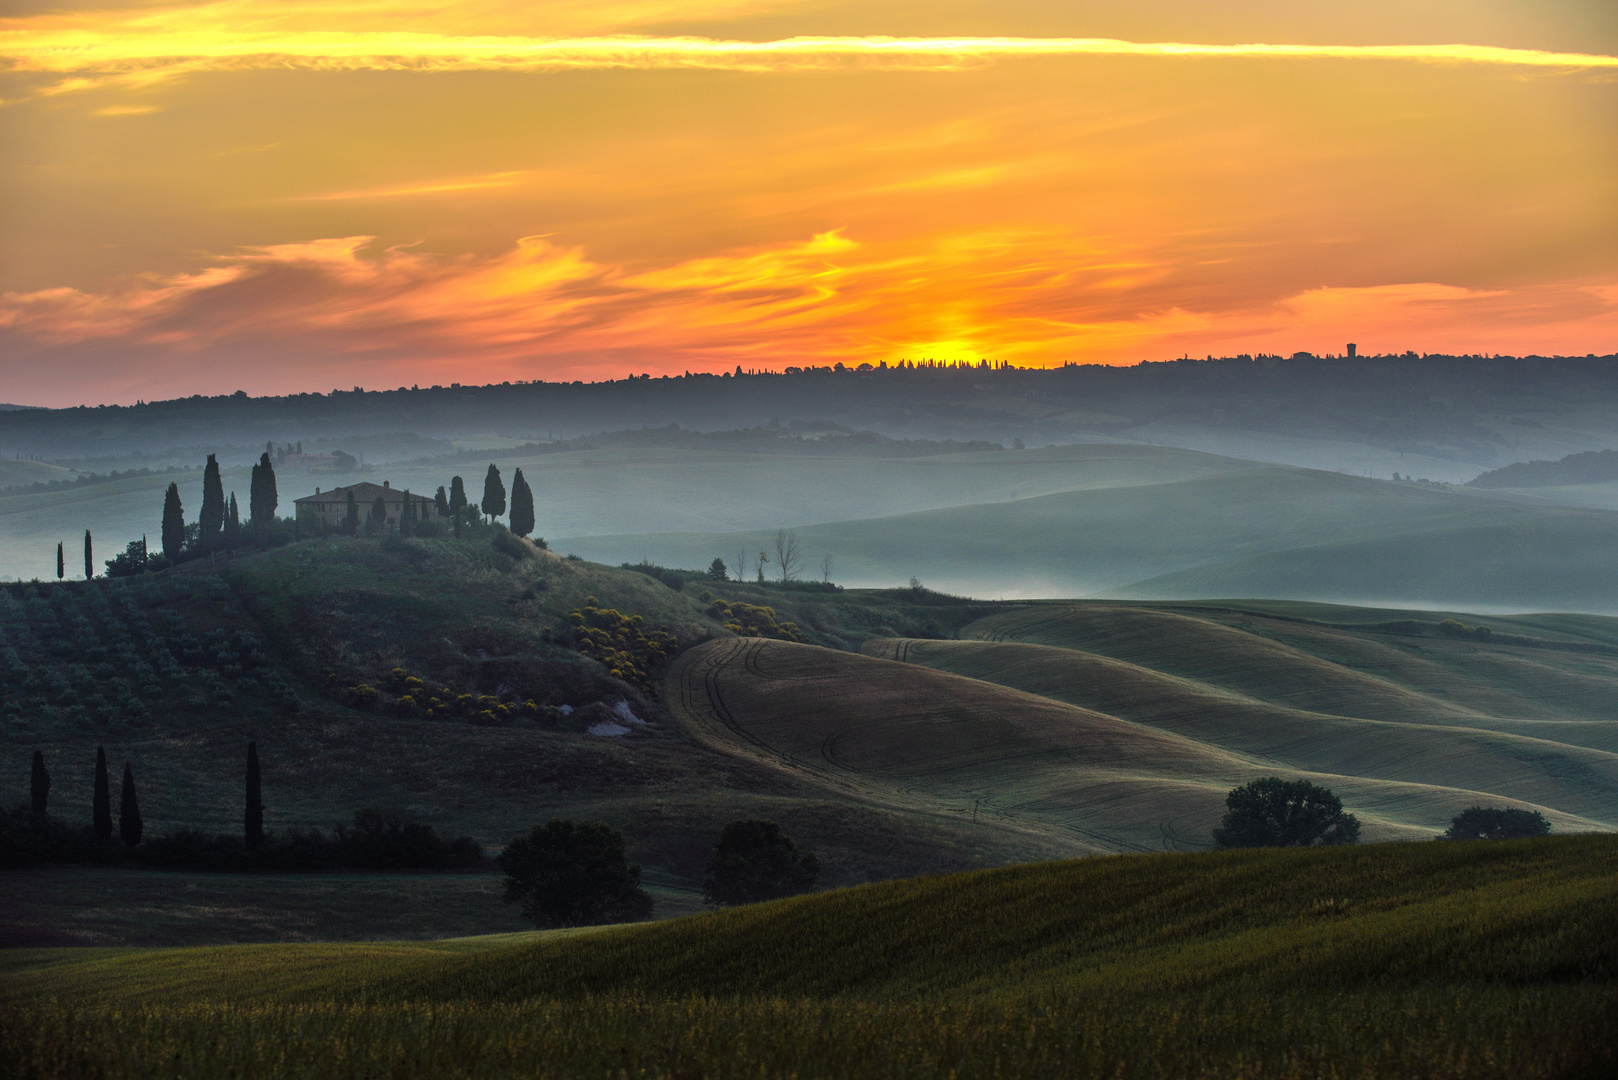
(1434, 960)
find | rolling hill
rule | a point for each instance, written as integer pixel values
(1260, 531)
(1471, 961)
(1111, 753)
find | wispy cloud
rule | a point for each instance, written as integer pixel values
(426, 187)
(158, 46)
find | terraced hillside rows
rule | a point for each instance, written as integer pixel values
(1100, 750)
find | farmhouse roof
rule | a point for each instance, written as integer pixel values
(365, 493)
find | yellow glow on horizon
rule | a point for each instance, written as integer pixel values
(164, 44)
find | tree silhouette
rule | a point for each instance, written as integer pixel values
(457, 502)
(1493, 823)
(566, 873)
(754, 861)
(351, 514)
(211, 518)
(129, 822)
(1277, 813)
(494, 493)
(262, 498)
(173, 524)
(61, 565)
(717, 570)
(522, 505)
(89, 557)
(786, 553)
(441, 502)
(378, 518)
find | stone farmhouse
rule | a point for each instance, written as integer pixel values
(331, 507)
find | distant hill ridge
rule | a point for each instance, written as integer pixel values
(1590, 467)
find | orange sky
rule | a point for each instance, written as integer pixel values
(275, 195)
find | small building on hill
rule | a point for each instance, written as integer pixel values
(331, 507)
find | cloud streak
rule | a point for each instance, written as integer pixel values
(543, 310)
(160, 47)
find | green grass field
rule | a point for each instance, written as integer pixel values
(1479, 960)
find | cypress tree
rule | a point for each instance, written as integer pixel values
(379, 516)
(211, 518)
(89, 557)
(61, 566)
(232, 530)
(494, 493)
(173, 524)
(101, 812)
(457, 501)
(39, 787)
(407, 515)
(522, 505)
(262, 498)
(441, 502)
(129, 823)
(255, 800)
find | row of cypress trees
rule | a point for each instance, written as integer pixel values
(452, 502)
(130, 824)
(219, 522)
(89, 559)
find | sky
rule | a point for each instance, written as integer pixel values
(281, 196)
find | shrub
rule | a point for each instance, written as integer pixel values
(566, 873)
(751, 620)
(1276, 813)
(1494, 823)
(754, 861)
(620, 642)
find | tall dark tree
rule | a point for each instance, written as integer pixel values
(232, 531)
(441, 502)
(173, 524)
(89, 557)
(262, 498)
(717, 570)
(129, 823)
(351, 514)
(494, 493)
(211, 518)
(39, 785)
(101, 809)
(255, 801)
(522, 505)
(457, 501)
(61, 564)
(379, 516)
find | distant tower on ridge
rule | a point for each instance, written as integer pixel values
(1353, 350)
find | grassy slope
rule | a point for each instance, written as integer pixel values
(902, 735)
(335, 613)
(1474, 960)
(1112, 754)
(1262, 531)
